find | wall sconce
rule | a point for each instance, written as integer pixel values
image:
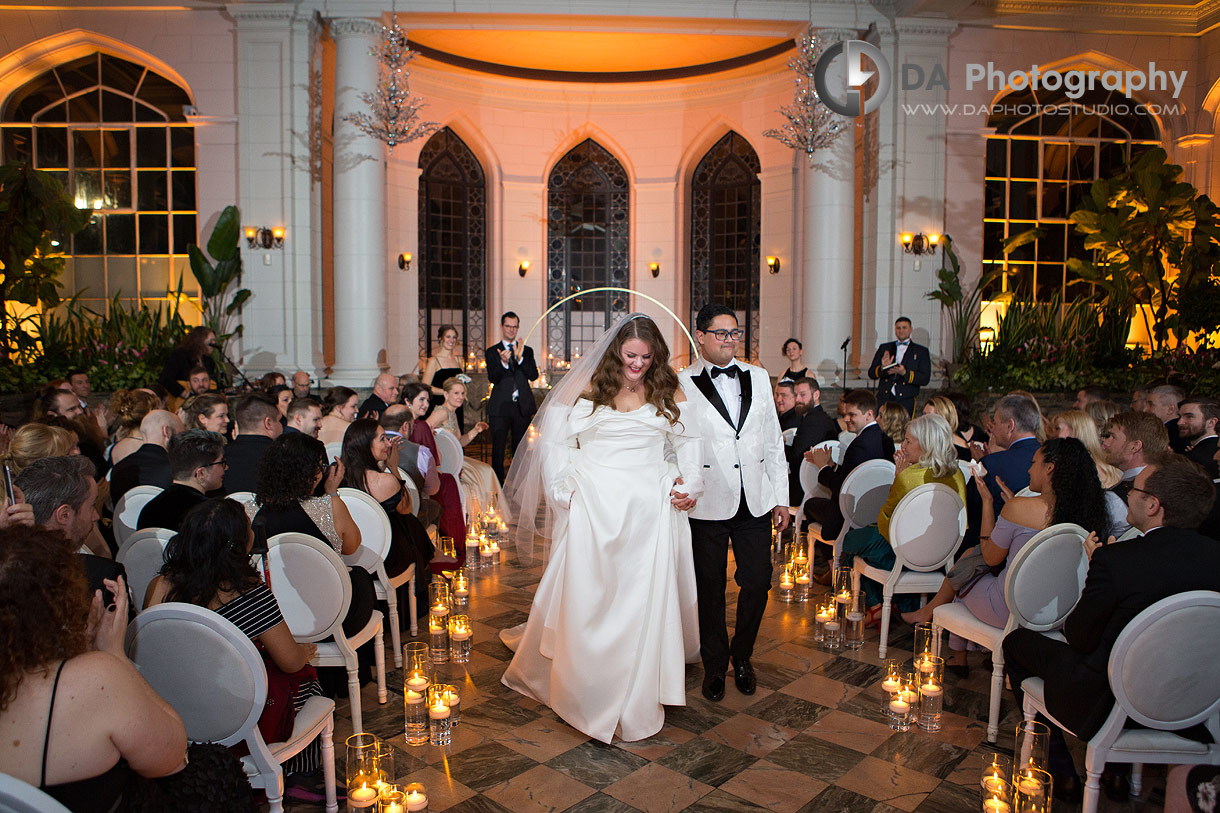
(773, 265)
(263, 237)
(523, 267)
(404, 261)
(655, 268)
(918, 244)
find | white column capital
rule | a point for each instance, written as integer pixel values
(354, 27)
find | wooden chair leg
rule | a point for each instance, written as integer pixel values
(395, 639)
(997, 692)
(328, 764)
(353, 696)
(413, 606)
(379, 663)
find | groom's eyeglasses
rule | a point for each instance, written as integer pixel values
(724, 335)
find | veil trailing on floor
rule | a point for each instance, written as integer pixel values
(534, 516)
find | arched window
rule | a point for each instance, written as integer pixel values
(452, 244)
(1045, 153)
(587, 246)
(116, 136)
(726, 234)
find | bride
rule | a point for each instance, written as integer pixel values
(614, 619)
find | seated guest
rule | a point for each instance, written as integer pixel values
(282, 396)
(794, 351)
(34, 441)
(258, 423)
(208, 564)
(943, 406)
(149, 464)
(1014, 437)
(193, 353)
(129, 408)
(63, 405)
(209, 412)
(289, 472)
(815, 427)
(270, 380)
(893, 421)
(63, 495)
(1065, 478)
(1044, 430)
(859, 413)
(199, 381)
(1171, 496)
(1163, 401)
(385, 392)
(78, 382)
(197, 459)
(478, 478)
(79, 722)
(304, 416)
(301, 383)
(1077, 424)
(1130, 441)
(969, 432)
(1197, 419)
(1101, 411)
(1090, 395)
(785, 405)
(415, 460)
(338, 411)
(926, 456)
(452, 522)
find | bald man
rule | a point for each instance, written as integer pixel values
(385, 392)
(149, 464)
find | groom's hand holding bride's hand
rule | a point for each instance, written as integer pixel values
(678, 500)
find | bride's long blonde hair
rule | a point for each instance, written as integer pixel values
(660, 381)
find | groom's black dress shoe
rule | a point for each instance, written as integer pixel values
(713, 687)
(743, 676)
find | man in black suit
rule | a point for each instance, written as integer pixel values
(900, 367)
(197, 457)
(785, 406)
(510, 369)
(1169, 499)
(149, 464)
(815, 426)
(385, 392)
(1162, 401)
(859, 409)
(1015, 430)
(258, 423)
(1130, 441)
(1197, 419)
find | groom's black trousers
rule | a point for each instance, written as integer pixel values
(751, 540)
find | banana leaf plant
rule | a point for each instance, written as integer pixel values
(220, 308)
(959, 304)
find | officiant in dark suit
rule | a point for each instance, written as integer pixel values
(900, 367)
(510, 369)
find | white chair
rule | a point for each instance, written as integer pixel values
(863, 493)
(925, 531)
(1165, 676)
(1042, 584)
(789, 436)
(314, 592)
(212, 675)
(142, 556)
(243, 497)
(127, 512)
(1130, 533)
(334, 451)
(1026, 492)
(452, 458)
(375, 534)
(412, 489)
(18, 797)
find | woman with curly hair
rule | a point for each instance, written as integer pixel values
(129, 408)
(338, 411)
(611, 460)
(1064, 477)
(478, 478)
(453, 520)
(76, 718)
(34, 441)
(195, 350)
(892, 417)
(209, 411)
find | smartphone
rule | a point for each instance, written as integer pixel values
(259, 547)
(8, 485)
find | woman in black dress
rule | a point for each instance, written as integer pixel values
(194, 351)
(794, 351)
(443, 366)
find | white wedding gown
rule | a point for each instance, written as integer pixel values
(614, 619)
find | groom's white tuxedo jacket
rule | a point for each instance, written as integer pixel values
(747, 456)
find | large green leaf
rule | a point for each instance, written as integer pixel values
(222, 245)
(239, 299)
(205, 274)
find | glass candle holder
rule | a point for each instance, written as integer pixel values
(931, 690)
(995, 803)
(460, 636)
(786, 584)
(891, 681)
(438, 621)
(473, 563)
(902, 708)
(800, 577)
(449, 693)
(448, 548)
(823, 614)
(392, 800)
(832, 630)
(853, 622)
(485, 552)
(363, 775)
(994, 779)
(459, 588)
(1031, 748)
(416, 796)
(417, 668)
(439, 725)
(385, 766)
(842, 588)
(1031, 791)
(927, 645)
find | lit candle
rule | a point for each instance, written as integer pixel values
(996, 805)
(802, 578)
(460, 588)
(824, 614)
(925, 664)
(417, 683)
(495, 547)
(890, 684)
(899, 706)
(363, 796)
(930, 689)
(392, 807)
(785, 581)
(438, 711)
(459, 633)
(413, 697)
(994, 784)
(1029, 786)
(439, 609)
(844, 597)
(832, 625)
(485, 550)
(451, 698)
(417, 799)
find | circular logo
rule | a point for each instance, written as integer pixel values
(852, 102)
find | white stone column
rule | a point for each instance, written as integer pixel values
(830, 242)
(359, 213)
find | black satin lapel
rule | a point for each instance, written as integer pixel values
(747, 388)
(704, 382)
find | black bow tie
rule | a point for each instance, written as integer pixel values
(904, 343)
(730, 371)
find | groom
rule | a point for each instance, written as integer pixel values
(745, 491)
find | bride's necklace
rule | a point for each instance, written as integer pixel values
(630, 388)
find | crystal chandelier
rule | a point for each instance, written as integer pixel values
(393, 115)
(811, 126)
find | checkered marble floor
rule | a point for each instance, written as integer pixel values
(811, 739)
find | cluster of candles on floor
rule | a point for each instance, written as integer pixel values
(371, 779)
(1021, 784)
(915, 692)
(430, 708)
(449, 632)
(486, 532)
(839, 616)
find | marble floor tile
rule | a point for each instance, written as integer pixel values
(821, 690)
(659, 744)
(750, 735)
(596, 764)
(794, 657)
(850, 671)
(721, 801)
(850, 731)
(600, 803)
(444, 791)
(841, 800)
(656, 789)
(477, 804)
(788, 711)
(697, 715)
(487, 765)
(897, 786)
(709, 762)
(493, 716)
(542, 739)
(774, 787)
(814, 757)
(950, 798)
(538, 790)
(918, 751)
